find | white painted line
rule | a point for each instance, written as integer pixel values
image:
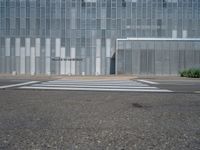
(20, 84)
(82, 81)
(95, 89)
(100, 80)
(94, 86)
(97, 84)
(149, 82)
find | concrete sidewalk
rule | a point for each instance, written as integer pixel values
(66, 77)
(106, 77)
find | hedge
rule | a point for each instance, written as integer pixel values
(190, 73)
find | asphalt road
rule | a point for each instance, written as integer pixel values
(177, 86)
(5, 82)
(181, 86)
(43, 119)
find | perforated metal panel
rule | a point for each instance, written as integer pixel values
(156, 56)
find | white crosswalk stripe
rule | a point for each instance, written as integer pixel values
(95, 85)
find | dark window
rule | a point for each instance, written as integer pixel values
(123, 3)
(83, 3)
(164, 3)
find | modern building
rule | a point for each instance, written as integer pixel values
(99, 37)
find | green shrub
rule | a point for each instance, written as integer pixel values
(191, 73)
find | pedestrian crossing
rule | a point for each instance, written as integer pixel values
(95, 85)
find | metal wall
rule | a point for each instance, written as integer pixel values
(48, 56)
(34, 32)
(157, 57)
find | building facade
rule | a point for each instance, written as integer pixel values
(82, 37)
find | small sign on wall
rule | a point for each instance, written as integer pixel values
(66, 59)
